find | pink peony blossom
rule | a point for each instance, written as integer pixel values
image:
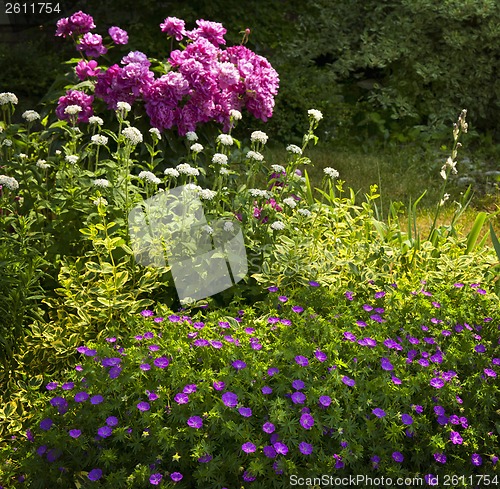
(75, 97)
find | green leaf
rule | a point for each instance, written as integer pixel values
(494, 240)
(474, 232)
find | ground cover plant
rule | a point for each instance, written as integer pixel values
(356, 344)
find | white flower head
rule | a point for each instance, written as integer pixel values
(207, 194)
(155, 132)
(292, 148)
(277, 226)
(133, 135)
(94, 119)
(191, 136)
(8, 98)
(101, 182)
(72, 109)
(207, 229)
(315, 114)
(9, 182)
(31, 115)
(123, 107)
(171, 172)
(219, 159)
(193, 186)
(259, 137)
(223, 170)
(278, 168)
(257, 192)
(42, 164)
(99, 139)
(228, 226)
(187, 169)
(255, 155)
(331, 172)
(235, 114)
(444, 199)
(305, 212)
(23, 156)
(196, 148)
(100, 201)
(290, 202)
(72, 159)
(7, 142)
(225, 139)
(149, 177)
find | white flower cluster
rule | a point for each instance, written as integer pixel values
(444, 199)
(31, 115)
(259, 137)
(7, 142)
(257, 192)
(305, 212)
(96, 120)
(293, 148)
(315, 114)
(196, 148)
(73, 159)
(191, 136)
(100, 201)
(155, 132)
(101, 182)
(219, 159)
(235, 114)
(187, 169)
(123, 107)
(149, 176)
(225, 139)
(255, 155)
(449, 164)
(99, 139)
(8, 98)
(10, 182)
(277, 226)
(278, 168)
(23, 156)
(224, 171)
(207, 194)
(133, 135)
(72, 109)
(193, 186)
(290, 202)
(42, 164)
(331, 172)
(228, 226)
(207, 229)
(171, 172)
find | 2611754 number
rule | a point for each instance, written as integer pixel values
(32, 8)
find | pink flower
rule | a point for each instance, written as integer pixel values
(174, 27)
(119, 36)
(212, 31)
(91, 45)
(84, 69)
(75, 97)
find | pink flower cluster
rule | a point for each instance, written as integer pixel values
(205, 82)
(75, 97)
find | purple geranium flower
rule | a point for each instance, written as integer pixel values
(298, 397)
(176, 476)
(74, 433)
(143, 406)
(155, 479)
(312, 283)
(298, 384)
(248, 447)
(386, 364)
(46, 424)
(219, 385)
(239, 364)
(104, 431)
(306, 421)
(269, 451)
(195, 422)
(398, 456)
(95, 474)
(266, 390)
(325, 401)
(302, 361)
(245, 412)
(347, 381)
(97, 399)
(305, 448)
(111, 421)
(437, 383)
(281, 448)
(380, 413)
(268, 427)
(406, 419)
(455, 438)
(230, 399)
(181, 398)
(161, 362)
(476, 459)
(81, 396)
(320, 356)
(440, 457)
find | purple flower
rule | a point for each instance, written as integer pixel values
(219, 385)
(476, 459)
(490, 372)
(81, 396)
(437, 383)
(245, 412)
(302, 361)
(380, 413)
(68, 386)
(455, 438)
(272, 289)
(74, 433)
(230, 399)
(161, 362)
(147, 313)
(248, 477)
(181, 398)
(114, 372)
(349, 336)
(76, 97)
(155, 479)
(386, 364)
(320, 356)
(189, 389)
(406, 419)
(212, 31)
(418, 409)
(145, 366)
(398, 456)
(143, 406)
(347, 381)
(205, 459)
(248, 447)
(281, 448)
(176, 476)
(266, 390)
(440, 457)
(480, 348)
(51, 386)
(349, 295)
(269, 451)
(119, 36)
(379, 295)
(96, 399)
(95, 474)
(239, 364)
(46, 424)
(298, 397)
(104, 431)
(298, 384)
(312, 283)
(268, 427)
(306, 421)
(272, 371)
(112, 421)
(174, 27)
(297, 309)
(324, 401)
(305, 448)
(195, 422)
(91, 45)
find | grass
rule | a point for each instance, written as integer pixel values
(404, 174)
